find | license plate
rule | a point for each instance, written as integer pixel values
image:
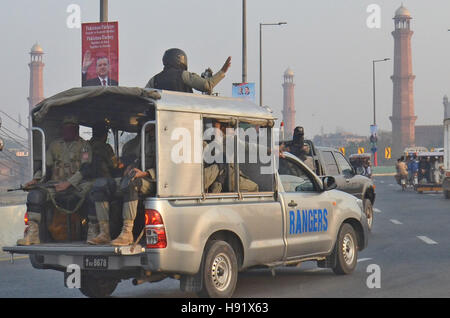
(96, 262)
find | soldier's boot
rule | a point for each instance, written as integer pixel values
(129, 211)
(31, 236)
(93, 230)
(102, 211)
(126, 235)
(104, 237)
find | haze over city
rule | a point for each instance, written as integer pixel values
(326, 43)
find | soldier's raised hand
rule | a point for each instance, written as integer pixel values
(227, 65)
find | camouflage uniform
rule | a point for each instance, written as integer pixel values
(104, 164)
(66, 161)
(140, 186)
(192, 80)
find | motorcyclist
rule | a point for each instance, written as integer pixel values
(402, 170)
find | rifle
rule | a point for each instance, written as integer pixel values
(22, 187)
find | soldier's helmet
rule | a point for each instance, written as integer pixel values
(70, 119)
(175, 58)
(100, 129)
(298, 131)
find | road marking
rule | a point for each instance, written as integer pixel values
(427, 240)
(376, 210)
(364, 259)
(396, 221)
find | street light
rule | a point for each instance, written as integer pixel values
(373, 82)
(260, 56)
(373, 138)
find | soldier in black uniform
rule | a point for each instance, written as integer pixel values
(175, 76)
(296, 146)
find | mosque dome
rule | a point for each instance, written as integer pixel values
(36, 48)
(289, 72)
(402, 12)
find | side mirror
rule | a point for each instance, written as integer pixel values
(329, 183)
(1, 144)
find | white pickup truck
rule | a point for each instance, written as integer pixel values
(271, 211)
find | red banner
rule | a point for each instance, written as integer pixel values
(100, 54)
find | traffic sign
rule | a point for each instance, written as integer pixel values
(387, 152)
(360, 150)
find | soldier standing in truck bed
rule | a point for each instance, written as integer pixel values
(175, 76)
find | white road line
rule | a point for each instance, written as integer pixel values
(364, 259)
(426, 239)
(396, 221)
(376, 210)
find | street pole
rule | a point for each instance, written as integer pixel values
(103, 10)
(244, 41)
(374, 137)
(260, 57)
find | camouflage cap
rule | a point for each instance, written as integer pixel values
(70, 119)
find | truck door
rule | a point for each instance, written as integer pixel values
(331, 169)
(309, 211)
(354, 187)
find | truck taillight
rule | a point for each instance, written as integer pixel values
(25, 218)
(155, 231)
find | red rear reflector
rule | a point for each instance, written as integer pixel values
(25, 218)
(155, 231)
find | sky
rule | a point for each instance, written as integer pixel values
(327, 43)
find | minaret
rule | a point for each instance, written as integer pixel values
(288, 103)
(36, 88)
(403, 118)
(36, 76)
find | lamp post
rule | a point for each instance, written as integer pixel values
(260, 56)
(244, 41)
(373, 138)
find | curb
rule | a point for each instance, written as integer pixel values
(384, 174)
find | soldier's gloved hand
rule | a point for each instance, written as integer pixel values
(139, 174)
(30, 183)
(62, 186)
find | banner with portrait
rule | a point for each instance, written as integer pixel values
(244, 90)
(100, 54)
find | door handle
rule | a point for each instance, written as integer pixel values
(292, 204)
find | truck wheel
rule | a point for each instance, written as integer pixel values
(346, 249)
(220, 270)
(94, 286)
(368, 210)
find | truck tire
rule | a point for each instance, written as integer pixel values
(220, 270)
(346, 249)
(95, 286)
(368, 210)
